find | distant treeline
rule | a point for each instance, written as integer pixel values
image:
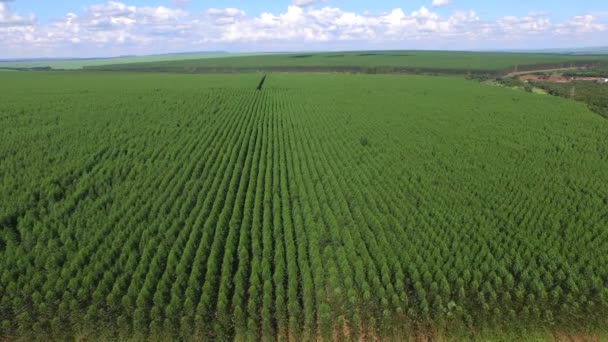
(592, 72)
(324, 69)
(562, 65)
(595, 95)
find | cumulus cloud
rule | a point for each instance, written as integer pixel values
(10, 18)
(224, 16)
(115, 27)
(439, 3)
(583, 24)
(15, 30)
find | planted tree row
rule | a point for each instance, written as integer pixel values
(321, 207)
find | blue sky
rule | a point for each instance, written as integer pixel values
(48, 10)
(67, 28)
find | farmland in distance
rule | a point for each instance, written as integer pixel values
(442, 62)
(321, 206)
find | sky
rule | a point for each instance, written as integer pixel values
(103, 28)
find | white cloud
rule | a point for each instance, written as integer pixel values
(114, 28)
(9, 18)
(583, 24)
(224, 16)
(439, 3)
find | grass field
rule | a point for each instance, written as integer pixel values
(370, 61)
(324, 205)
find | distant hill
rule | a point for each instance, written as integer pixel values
(50, 59)
(79, 63)
(598, 50)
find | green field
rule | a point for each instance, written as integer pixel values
(75, 64)
(372, 62)
(332, 206)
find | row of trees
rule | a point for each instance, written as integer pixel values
(260, 215)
